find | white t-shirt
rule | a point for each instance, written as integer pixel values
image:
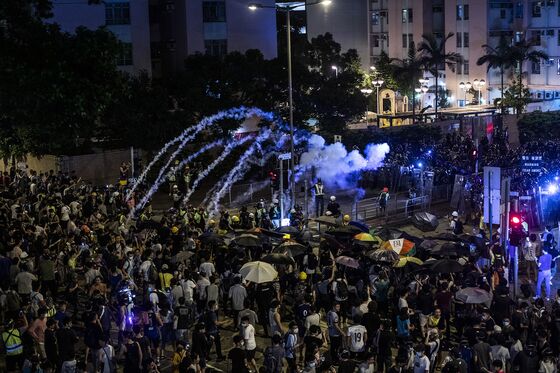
(313, 319)
(188, 288)
(357, 334)
(105, 355)
(207, 268)
(421, 364)
(249, 337)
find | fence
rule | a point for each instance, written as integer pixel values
(400, 206)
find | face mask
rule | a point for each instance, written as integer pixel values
(244, 324)
(506, 323)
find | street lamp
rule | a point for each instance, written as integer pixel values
(377, 83)
(478, 84)
(335, 68)
(288, 7)
(366, 92)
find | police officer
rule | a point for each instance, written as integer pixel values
(11, 337)
(319, 197)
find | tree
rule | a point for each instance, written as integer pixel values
(435, 58)
(498, 58)
(407, 72)
(55, 85)
(521, 52)
(516, 98)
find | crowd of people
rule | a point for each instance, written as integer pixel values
(87, 288)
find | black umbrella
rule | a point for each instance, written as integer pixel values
(248, 240)
(479, 242)
(347, 230)
(326, 220)
(450, 249)
(382, 255)
(287, 229)
(291, 247)
(446, 236)
(387, 234)
(211, 238)
(278, 258)
(265, 232)
(446, 266)
(425, 221)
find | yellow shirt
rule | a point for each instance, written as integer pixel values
(165, 280)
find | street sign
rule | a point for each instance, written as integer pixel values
(285, 156)
(531, 163)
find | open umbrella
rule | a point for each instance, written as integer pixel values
(258, 272)
(287, 229)
(265, 232)
(248, 240)
(448, 249)
(347, 230)
(446, 266)
(182, 256)
(278, 258)
(425, 221)
(333, 242)
(326, 220)
(211, 238)
(347, 261)
(473, 295)
(290, 247)
(400, 246)
(407, 260)
(389, 234)
(365, 237)
(382, 255)
(363, 227)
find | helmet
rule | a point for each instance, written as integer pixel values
(292, 211)
(251, 215)
(333, 198)
(455, 214)
(275, 201)
(328, 213)
(211, 222)
(174, 230)
(303, 276)
(346, 218)
(175, 186)
(235, 219)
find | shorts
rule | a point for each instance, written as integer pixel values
(14, 362)
(250, 354)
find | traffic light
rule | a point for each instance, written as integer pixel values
(273, 179)
(517, 234)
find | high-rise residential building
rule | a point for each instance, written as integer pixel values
(392, 25)
(158, 35)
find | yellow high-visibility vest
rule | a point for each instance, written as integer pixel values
(12, 341)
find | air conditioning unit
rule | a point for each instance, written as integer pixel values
(538, 95)
(556, 94)
(548, 95)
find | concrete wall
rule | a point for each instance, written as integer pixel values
(99, 168)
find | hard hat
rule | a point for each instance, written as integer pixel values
(175, 186)
(328, 213)
(346, 218)
(303, 276)
(274, 200)
(235, 219)
(455, 214)
(333, 198)
(211, 222)
(174, 230)
(251, 215)
(286, 236)
(292, 211)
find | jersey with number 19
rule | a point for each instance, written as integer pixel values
(357, 334)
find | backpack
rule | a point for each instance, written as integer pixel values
(163, 301)
(13, 301)
(341, 290)
(270, 362)
(153, 275)
(458, 227)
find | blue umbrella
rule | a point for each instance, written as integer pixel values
(364, 228)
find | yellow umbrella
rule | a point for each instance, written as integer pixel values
(407, 259)
(364, 237)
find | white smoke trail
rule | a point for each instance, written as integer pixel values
(235, 113)
(227, 150)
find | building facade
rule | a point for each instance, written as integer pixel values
(392, 25)
(157, 35)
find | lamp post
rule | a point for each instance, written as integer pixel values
(335, 68)
(468, 86)
(366, 92)
(478, 84)
(377, 83)
(288, 7)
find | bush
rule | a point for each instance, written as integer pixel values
(538, 125)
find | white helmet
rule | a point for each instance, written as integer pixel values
(333, 198)
(251, 215)
(275, 201)
(455, 214)
(328, 213)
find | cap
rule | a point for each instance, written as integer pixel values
(346, 218)
(455, 214)
(333, 198)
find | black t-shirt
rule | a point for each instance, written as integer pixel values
(425, 303)
(371, 321)
(310, 344)
(183, 317)
(66, 344)
(237, 357)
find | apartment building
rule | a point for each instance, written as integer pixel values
(393, 24)
(158, 35)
